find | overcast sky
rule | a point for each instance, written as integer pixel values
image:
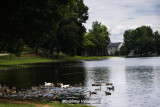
(121, 15)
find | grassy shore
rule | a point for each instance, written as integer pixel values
(15, 103)
(18, 62)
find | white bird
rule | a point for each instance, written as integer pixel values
(48, 84)
(64, 86)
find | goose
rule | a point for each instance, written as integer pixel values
(96, 84)
(34, 88)
(54, 97)
(13, 88)
(109, 84)
(13, 92)
(59, 84)
(48, 84)
(83, 87)
(92, 92)
(64, 86)
(110, 88)
(107, 93)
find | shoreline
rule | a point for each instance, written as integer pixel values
(25, 61)
(45, 96)
(35, 103)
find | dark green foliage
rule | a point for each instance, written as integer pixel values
(97, 39)
(157, 42)
(140, 41)
(11, 28)
(50, 25)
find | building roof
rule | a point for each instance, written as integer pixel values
(114, 44)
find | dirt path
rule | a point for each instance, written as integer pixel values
(24, 102)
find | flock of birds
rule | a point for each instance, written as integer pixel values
(109, 87)
(53, 91)
(47, 91)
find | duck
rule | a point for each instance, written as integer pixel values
(13, 92)
(90, 93)
(59, 84)
(54, 93)
(110, 88)
(109, 84)
(54, 97)
(48, 84)
(13, 88)
(107, 93)
(96, 84)
(34, 88)
(64, 86)
(83, 87)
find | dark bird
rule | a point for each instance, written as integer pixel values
(107, 93)
(110, 88)
(96, 84)
(109, 84)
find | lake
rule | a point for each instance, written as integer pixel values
(136, 80)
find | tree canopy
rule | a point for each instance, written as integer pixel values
(50, 25)
(97, 39)
(140, 41)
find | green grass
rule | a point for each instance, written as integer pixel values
(86, 58)
(15, 105)
(20, 62)
(57, 104)
(12, 103)
(4, 60)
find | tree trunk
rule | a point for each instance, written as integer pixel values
(57, 55)
(36, 50)
(10, 56)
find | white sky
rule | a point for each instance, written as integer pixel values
(121, 15)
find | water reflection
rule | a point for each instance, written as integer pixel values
(99, 75)
(65, 72)
(136, 80)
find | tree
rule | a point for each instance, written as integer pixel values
(157, 42)
(50, 25)
(11, 32)
(70, 29)
(97, 39)
(140, 41)
(88, 44)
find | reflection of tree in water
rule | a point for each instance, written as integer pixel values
(65, 72)
(100, 74)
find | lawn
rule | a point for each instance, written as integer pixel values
(17, 62)
(35, 103)
(15, 105)
(4, 60)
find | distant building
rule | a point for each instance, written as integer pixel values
(113, 47)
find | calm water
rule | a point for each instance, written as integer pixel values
(136, 80)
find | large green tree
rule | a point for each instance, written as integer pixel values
(50, 25)
(97, 39)
(71, 29)
(11, 29)
(140, 41)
